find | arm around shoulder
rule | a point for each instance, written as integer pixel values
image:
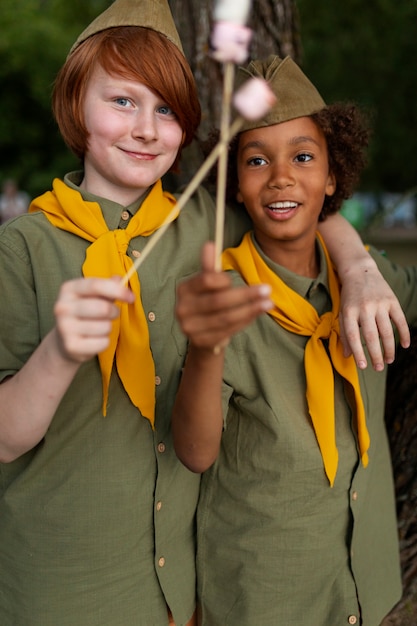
(368, 304)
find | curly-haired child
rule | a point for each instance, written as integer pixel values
(296, 518)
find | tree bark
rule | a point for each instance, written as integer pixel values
(401, 420)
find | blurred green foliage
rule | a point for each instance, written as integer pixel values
(35, 38)
(365, 52)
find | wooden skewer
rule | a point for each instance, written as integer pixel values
(201, 173)
(228, 79)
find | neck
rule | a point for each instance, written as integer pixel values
(297, 257)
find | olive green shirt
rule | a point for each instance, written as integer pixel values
(277, 546)
(97, 522)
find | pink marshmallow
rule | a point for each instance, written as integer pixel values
(230, 42)
(254, 99)
(235, 11)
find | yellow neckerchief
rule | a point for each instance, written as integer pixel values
(106, 257)
(298, 316)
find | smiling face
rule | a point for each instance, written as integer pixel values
(134, 137)
(283, 176)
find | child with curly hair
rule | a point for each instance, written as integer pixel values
(296, 518)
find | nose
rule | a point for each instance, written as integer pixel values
(281, 176)
(145, 127)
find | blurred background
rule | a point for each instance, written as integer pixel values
(365, 51)
(351, 50)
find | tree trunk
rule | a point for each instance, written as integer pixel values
(401, 420)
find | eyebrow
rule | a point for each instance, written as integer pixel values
(293, 141)
(302, 139)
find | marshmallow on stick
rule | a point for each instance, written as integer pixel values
(230, 37)
(252, 101)
(222, 162)
(235, 11)
(230, 41)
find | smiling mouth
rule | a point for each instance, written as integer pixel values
(282, 206)
(141, 156)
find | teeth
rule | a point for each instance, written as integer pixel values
(283, 205)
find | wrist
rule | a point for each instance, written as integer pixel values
(359, 266)
(206, 354)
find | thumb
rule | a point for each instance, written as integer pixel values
(208, 257)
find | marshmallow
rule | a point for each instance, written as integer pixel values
(254, 99)
(235, 11)
(230, 42)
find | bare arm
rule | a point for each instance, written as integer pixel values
(210, 311)
(368, 303)
(28, 400)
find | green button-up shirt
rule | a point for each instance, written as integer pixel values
(97, 522)
(277, 546)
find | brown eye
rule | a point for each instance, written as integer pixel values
(256, 161)
(304, 157)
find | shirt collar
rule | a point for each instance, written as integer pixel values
(112, 211)
(300, 284)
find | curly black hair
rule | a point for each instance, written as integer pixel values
(347, 132)
(346, 128)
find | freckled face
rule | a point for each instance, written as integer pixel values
(134, 137)
(283, 175)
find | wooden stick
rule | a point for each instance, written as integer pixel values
(186, 195)
(228, 79)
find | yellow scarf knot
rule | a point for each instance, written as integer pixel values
(327, 325)
(298, 316)
(106, 257)
(122, 241)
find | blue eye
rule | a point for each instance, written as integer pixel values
(165, 110)
(123, 102)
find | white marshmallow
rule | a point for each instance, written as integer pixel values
(236, 11)
(254, 99)
(230, 42)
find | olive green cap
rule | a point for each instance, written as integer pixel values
(296, 95)
(153, 14)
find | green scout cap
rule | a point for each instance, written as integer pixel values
(154, 14)
(296, 95)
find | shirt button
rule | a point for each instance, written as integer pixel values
(125, 215)
(354, 495)
(161, 447)
(161, 562)
(151, 316)
(157, 380)
(136, 253)
(159, 505)
(352, 619)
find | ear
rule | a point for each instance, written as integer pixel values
(330, 185)
(239, 196)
